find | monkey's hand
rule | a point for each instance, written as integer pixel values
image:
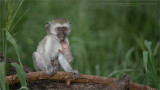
(62, 51)
(76, 73)
(67, 55)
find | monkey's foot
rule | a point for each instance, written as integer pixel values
(50, 71)
(75, 73)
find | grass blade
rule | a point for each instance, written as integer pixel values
(14, 14)
(151, 62)
(127, 57)
(13, 42)
(2, 75)
(145, 60)
(19, 19)
(19, 68)
(120, 71)
(23, 88)
(156, 49)
(21, 74)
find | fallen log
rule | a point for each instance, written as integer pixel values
(68, 77)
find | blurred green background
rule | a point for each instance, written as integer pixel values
(107, 37)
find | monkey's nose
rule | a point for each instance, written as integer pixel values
(63, 28)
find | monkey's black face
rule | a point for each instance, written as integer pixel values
(61, 32)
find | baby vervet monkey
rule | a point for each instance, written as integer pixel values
(53, 51)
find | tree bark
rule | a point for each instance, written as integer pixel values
(69, 77)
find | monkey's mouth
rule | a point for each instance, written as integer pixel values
(61, 36)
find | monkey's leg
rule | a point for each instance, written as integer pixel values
(65, 65)
(38, 61)
(50, 69)
(56, 65)
(41, 64)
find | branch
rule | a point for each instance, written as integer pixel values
(67, 77)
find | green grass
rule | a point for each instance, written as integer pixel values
(10, 9)
(150, 62)
(107, 38)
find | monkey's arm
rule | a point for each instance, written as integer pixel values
(67, 54)
(66, 51)
(70, 58)
(65, 65)
(70, 54)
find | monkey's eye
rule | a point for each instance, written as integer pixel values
(64, 28)
(59, 28)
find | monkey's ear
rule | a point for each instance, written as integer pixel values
(47, 27)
